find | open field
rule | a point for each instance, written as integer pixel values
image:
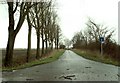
(19, 60)
(19, 56)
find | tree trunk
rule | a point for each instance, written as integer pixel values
(9, 51)
(57, 42)
(57, 37)
(38, 46)
(51, 45)
(42, 44)
(11, 37)
(29, 39)
(12, 33)
(46, 42)
(46, 45)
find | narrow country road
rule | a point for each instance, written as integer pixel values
(69, 66)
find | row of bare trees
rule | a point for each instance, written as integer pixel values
(90, 39)
(39, 15)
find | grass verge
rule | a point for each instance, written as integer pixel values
(96, 56)
(52, 57)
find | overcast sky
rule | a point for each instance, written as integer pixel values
(73, 15)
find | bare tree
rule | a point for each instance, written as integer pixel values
(12, 30)
(97, 30)
(35, 15)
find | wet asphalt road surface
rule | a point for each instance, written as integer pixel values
(69, 66)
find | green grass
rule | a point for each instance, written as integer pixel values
(52, 57)
(96, 57)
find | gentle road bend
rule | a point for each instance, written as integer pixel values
(69, 66)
